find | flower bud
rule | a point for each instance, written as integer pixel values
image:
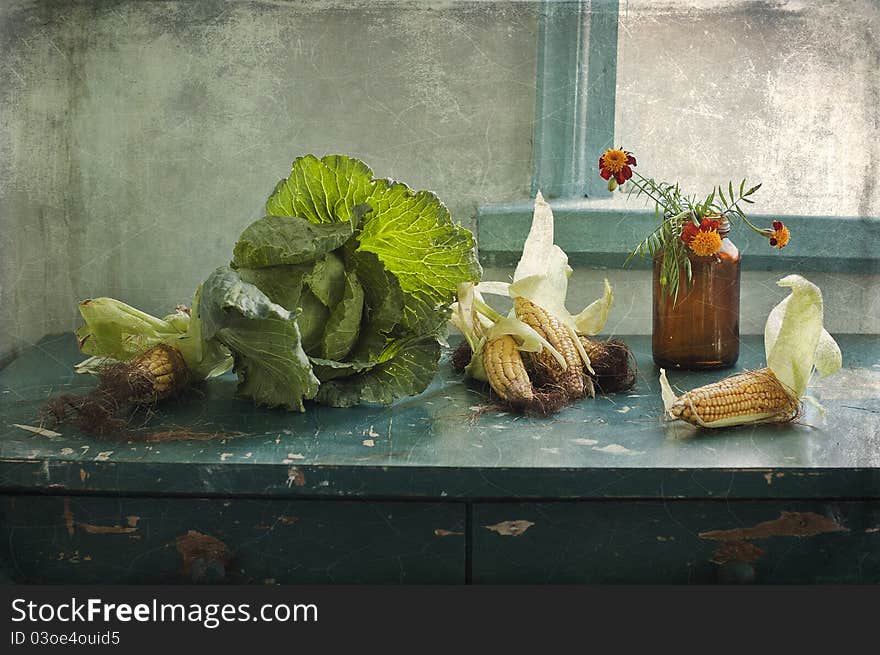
(612, 184)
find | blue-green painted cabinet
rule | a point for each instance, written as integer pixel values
(440, 489)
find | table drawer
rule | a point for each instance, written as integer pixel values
(676, 542)
(77, 539)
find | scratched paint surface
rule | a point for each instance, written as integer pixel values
(678, 542)
(235, 541)
(446, 444)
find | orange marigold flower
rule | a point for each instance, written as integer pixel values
(616, 162)
(779, 236)
(704, 239)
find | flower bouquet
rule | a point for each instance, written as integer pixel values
(696, 266)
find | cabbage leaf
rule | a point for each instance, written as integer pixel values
(366, 269)
(339, 294)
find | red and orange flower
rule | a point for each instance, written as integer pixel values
(616, 162)
(701, 232)
(702, 239)
(779, 236)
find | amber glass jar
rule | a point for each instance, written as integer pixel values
(701, 329)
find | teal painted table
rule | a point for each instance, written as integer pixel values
(438, 489)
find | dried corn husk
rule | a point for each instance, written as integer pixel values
(557, 364)
(795, 344)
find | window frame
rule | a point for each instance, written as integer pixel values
(576, 87)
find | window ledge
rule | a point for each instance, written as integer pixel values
(602, 237)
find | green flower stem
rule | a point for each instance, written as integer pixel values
(749, 223)
(643, 188)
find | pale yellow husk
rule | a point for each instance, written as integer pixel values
(795, 343)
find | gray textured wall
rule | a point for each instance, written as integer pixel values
(782, 91)
(138, 138)
(786, 92)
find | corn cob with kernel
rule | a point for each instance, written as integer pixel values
(749, 397)
(571, 378)
(158, 373)
(505, 370)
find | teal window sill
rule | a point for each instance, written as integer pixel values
(603, 238)
(574, 123)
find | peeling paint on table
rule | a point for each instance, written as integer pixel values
(444, 441)
(448, 490)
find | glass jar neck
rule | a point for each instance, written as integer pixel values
(723, 228)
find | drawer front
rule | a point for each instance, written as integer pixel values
(676, 542)
(51, 540)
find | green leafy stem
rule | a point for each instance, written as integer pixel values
(672, 209)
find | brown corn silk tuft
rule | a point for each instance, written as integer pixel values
(461, 357)
(613, 363)
(123, 388)
(545, 402)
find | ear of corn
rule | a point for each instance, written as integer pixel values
(164, 368)
(570, 377)
(542, 338)
(795, 344)
(505, 370)
(592, 347)
(749, 397)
